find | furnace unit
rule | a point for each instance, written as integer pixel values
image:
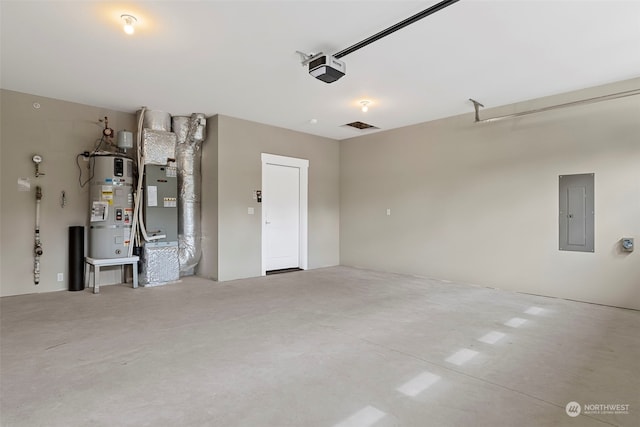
(161, 203)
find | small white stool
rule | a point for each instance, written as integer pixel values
(109, 262)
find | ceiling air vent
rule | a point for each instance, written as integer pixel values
(361, 125)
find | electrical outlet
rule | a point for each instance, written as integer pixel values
(60, 277)
(388, 212)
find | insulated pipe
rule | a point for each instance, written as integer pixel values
(190, 133)
(418, 16)
(37, 248)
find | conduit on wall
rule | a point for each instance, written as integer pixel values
(135, 237)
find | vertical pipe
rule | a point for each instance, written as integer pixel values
(37, 246)
(138, 193)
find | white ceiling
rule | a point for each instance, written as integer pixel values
(238, 58)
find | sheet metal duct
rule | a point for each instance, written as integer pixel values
(190, 132)
(159, 264)
(158, 146)
(155, 120)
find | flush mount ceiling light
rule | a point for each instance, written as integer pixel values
(129, 22)
(365, 105)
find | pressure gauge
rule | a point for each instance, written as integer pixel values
(37, 159)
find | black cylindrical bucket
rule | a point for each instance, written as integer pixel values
(76, 258)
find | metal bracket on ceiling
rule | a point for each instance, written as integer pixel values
(305, 58)
(476, 106)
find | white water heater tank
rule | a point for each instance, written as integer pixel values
(110, 205)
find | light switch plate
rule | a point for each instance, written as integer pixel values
(251, 211)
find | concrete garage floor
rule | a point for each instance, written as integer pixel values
(335, 346)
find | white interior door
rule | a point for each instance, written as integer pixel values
(281, 204)
(285, 182)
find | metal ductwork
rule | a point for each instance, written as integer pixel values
(190, 132)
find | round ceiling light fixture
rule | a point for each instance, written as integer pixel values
(365, 105)
(129, 22)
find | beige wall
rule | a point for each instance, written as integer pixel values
(57, 131)
(240, 145)
(478, 203)
(231, 169)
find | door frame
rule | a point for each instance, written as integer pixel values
(303, 166)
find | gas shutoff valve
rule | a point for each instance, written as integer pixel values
(627, 244)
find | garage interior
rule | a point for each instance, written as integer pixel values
(437, 280)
